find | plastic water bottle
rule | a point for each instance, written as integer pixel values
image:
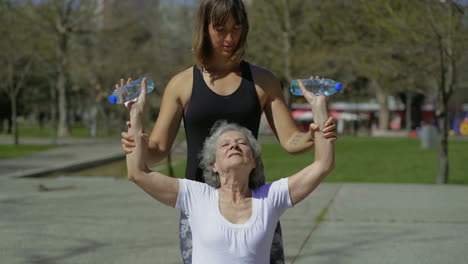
(317, 86)
(130, 91)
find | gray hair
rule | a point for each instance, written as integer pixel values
(208, 155)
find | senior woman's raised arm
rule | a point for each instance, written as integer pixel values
(162, 188)
(305, 181)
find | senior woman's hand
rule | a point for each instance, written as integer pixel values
(137, 108)
(311, 97)
(329, 127)
(128, 142)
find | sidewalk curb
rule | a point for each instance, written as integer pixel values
(65, 167)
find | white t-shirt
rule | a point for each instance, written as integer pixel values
(215, 239)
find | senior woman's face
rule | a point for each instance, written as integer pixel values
(233, 150)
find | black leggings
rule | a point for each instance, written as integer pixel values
(185, 240)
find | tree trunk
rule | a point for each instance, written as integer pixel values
(53, 113)
(63, 125)
(93, 121)
(408, 113)
(106, 119)
(443, 170)
(14, 119)
(382, 99)
(287, 52)
(441, 114)
(63, 129)
(447, 82)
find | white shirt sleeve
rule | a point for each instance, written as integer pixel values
(277, 194)
(190, 194)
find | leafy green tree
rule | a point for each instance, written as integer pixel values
(16, 56)
(432, 43)
(61, 21)
(284, 39)
(445, 36)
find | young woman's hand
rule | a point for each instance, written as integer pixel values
(329, 131)
(128, 142)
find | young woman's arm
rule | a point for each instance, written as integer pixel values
(159, 186)
(277, 113)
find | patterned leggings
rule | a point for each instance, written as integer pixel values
(185, 240)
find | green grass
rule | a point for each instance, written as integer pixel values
(321, 217)
(374, 160)
(11, 151)
(34, 131)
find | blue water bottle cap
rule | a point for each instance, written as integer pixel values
(338, 86)
(112, 99)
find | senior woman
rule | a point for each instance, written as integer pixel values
(232, 217)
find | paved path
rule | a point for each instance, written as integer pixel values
(103, 220)
(72, 154)
(113, 221)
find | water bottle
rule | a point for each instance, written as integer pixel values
(130, 91)
(317, 86)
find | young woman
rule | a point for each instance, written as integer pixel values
(221, 86)
(234, 219)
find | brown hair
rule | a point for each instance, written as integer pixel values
(216, 12)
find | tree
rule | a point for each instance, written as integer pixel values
(419, 45)
(434, 43)
(131, 39)
(284, 35)
(365, 46)
(16, 57)
(326, 38)
(61, 20)
(448, 36)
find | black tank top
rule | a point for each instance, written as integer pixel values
(206, 107)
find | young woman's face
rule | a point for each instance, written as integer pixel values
(225, 38)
